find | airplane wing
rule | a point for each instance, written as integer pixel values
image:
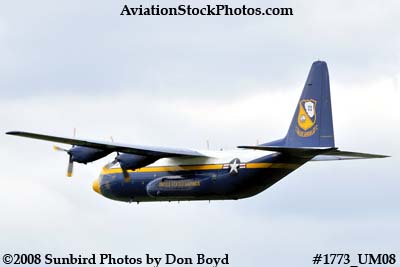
(161, 152)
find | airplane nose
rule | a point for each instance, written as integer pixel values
(96, 186)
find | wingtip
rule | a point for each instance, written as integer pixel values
(14, 132)
(378, 156)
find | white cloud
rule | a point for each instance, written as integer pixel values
(88, 48)
(178, 82)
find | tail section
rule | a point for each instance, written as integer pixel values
(310, 134)
(312, 124)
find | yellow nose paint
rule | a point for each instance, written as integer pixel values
(96, 186)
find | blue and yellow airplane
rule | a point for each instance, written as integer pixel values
(145, 173)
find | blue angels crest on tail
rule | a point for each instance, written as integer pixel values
(306, 118)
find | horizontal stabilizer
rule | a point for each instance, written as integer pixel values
(295, 151)
(331, 158)
(319, 153)
(346, 155)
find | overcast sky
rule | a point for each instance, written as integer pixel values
(178, 81)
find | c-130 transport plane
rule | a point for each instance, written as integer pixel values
(145, 173)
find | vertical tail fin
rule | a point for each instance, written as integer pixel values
(312, 121)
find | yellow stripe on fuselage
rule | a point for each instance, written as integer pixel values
(203, 167)
(272, 165)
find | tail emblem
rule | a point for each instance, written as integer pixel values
(307, 118)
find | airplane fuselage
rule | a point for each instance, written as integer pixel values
(221, 175)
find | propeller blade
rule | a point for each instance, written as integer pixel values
(127, 178)
(112, 163)
(70, 167)
(57, 148)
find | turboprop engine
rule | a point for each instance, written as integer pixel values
(82, 154)
(133, 161)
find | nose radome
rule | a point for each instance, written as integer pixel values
(96, 186)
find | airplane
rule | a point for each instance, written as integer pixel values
(146, 173)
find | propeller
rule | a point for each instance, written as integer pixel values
(70, 167)
(57, 148)
(124, 171)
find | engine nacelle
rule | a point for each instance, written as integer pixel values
(84, 155)
(132, 161)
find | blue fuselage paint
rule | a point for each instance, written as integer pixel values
(220, 184)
